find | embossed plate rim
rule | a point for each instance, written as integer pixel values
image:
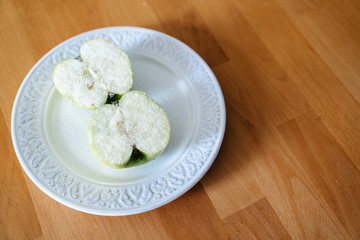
(153, 202)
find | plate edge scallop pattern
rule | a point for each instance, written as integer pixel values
(35, 155)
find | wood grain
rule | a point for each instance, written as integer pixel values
(186, 24)
(314, 78)
(326, 164)
(289, 164)
(244, 223)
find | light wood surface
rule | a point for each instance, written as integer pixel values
(289, 164)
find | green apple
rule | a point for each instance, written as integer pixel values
(130, 133)
(101, 68)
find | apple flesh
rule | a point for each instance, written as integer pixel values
(130, 133)
(101, 68)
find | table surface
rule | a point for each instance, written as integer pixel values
(289, 164)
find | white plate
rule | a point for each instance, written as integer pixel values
(50, 134)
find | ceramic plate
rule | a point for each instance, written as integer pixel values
(50, 133)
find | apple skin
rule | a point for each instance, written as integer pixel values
(138, 158)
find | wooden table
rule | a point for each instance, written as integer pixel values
(289, 164)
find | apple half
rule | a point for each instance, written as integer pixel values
(130, 133)
(101, 68)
